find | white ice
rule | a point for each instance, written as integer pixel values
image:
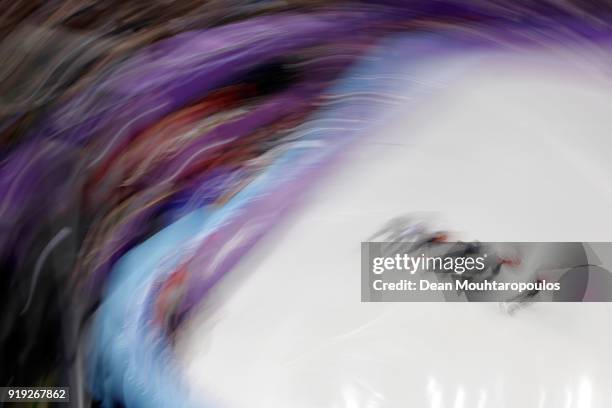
(516, 150)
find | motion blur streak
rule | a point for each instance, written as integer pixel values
(146, 146)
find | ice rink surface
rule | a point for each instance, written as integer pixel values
(518, 149)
